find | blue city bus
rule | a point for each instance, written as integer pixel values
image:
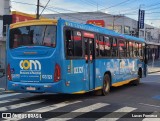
(60, 56)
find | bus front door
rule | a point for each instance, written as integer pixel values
(89, 56)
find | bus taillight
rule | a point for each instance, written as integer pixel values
(57, 73)
(9, 72)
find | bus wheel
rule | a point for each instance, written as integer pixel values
(106, 85)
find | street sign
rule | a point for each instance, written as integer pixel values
(141, 19)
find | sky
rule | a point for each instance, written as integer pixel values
(128, 8)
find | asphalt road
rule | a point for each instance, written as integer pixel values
(128, 102)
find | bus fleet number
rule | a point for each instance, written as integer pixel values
(46, 76)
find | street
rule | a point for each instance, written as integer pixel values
(123, 102)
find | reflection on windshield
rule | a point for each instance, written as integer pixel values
(33, 36)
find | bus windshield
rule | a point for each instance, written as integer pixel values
(41, 35)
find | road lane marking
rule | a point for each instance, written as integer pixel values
(8, 101)
(8, 95)
(119, 113)
(79, 111)
(150, 81)
(20, 105)
(157, 106)
(53, 107)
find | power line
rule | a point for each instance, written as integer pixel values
(64, 14)
(153, 8)
(153, 5)
(23, 3)
(115, 5)
(62, 9)
(45, 7)
(94, 3)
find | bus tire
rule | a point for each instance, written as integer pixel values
(105, 87)
(106, 84)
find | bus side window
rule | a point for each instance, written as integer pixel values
(137, 50)
(114, 50)
(69, 43)
(101, 46)
(140, 50)
(97, 46)
(127, 45)
(122, 48)
(77, 39)
(134, 49)
(73, 43)
(107, 46)
(131, 48)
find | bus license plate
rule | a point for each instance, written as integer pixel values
(30, 88)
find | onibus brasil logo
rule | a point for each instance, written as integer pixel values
(30, 67)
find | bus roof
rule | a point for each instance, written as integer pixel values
(98, 29)
(134, 38)
(88, 27)
(34, 22)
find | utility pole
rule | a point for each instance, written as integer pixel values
(38, 4)
(113, 22)
(138, 23)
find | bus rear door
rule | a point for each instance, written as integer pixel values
(89, 57)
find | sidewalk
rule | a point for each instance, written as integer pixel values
(154, 67)
(2, 83)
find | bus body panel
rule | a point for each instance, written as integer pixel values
(120, 69)
(33, 68)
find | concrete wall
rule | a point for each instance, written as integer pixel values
(4, 10)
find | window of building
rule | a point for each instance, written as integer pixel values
(73, 40)
(127, 30)
(141, 33)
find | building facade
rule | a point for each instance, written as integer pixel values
(4, 10)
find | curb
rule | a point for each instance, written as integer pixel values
(9, 91)
(3, 90)
(153, 72)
